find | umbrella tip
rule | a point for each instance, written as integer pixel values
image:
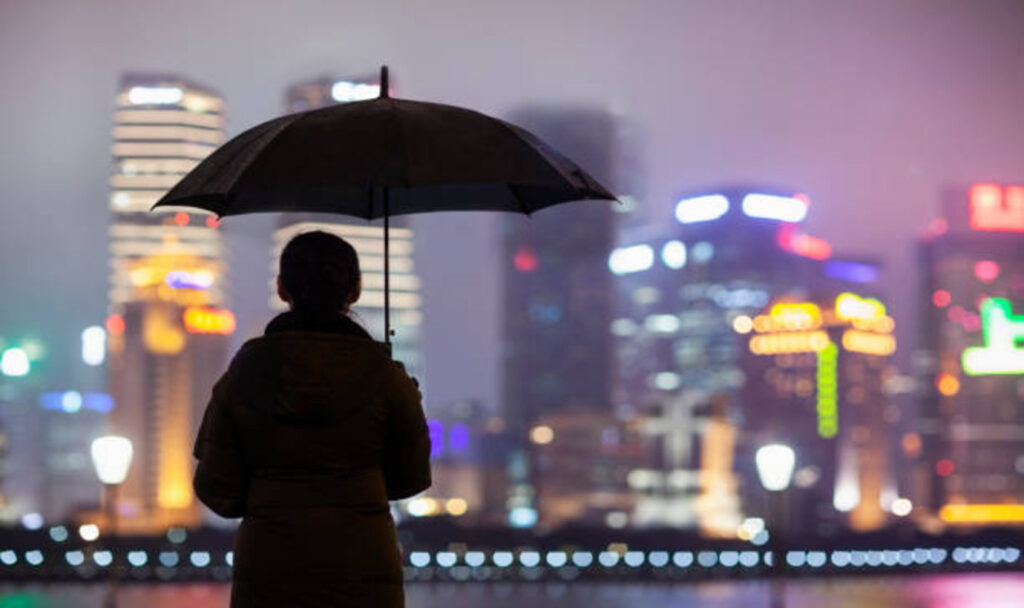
(384, 82)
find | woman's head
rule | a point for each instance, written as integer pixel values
(319, 273)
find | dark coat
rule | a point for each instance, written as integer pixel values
(306, 437)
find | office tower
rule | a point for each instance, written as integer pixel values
(680, 287)
(815, 372)
(167, 327)
(71, 421)
(556, 290)
(971, 362)
(366, 237)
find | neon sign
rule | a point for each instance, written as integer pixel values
(208, 320)
(996, 208)
(803, 244)
(1002, 330)
(790, 342)
(701, 208)
(869, 343)
(184, 279)
(982, 514)
(850, 307)
(625, 260)
(855, 272)
(772, 207)
(828, 392)
(155, 95)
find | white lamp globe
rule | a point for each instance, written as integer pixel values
(775, 463)
(112, 455)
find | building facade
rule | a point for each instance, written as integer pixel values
(556, 289)
(683, 289)
(167, 329)
(971, 362)
(367, 238)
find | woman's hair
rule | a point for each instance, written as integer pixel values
(320, 272)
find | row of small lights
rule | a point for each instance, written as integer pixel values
(607, 559)
(728, 559)
(104, 558)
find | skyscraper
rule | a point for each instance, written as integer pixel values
(556, 290)
(971, 364)
(680, 289)
(368, 239)
(167, 328)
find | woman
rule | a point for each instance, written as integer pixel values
(309, 433)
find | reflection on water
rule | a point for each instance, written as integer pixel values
(946, 591)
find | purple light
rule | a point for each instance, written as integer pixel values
(436, 431)
(458, 438)
(855, 272)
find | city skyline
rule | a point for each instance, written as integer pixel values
(904, 102)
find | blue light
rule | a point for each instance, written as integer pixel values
(522, 517)
(701, 208)
(658, 558)
(530, 559)
(854, 272)
(99, 402)
(71, 402)
(707, 558)
(436, 431)
(773, 207)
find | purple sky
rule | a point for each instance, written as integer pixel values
(870, 107)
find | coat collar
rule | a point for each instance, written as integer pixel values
(332, 324)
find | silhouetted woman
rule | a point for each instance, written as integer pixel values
(309, 433)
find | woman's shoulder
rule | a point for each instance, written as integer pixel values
(310, 345)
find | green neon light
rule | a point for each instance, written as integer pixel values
(828, 391)
(1002, 330)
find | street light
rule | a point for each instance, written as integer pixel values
(775, 463)
(111, 456)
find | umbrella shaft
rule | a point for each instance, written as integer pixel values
(387, 269)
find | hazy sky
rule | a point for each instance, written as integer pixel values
(870, 107)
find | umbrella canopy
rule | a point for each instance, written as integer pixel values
(383, 157)
(355, 158)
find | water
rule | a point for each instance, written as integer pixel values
(940, 591)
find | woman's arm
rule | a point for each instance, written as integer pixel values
(407, 442)
(222, 476)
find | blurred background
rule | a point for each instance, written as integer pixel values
(819, 243)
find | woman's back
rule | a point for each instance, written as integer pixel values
(307, 436)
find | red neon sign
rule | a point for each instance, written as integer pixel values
(996, 208)
(803, 244)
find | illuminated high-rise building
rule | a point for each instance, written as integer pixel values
(815, 371)
(679, 363)
(367, 239)
(971, 363)
(167, 326)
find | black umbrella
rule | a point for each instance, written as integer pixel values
(383, 157)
